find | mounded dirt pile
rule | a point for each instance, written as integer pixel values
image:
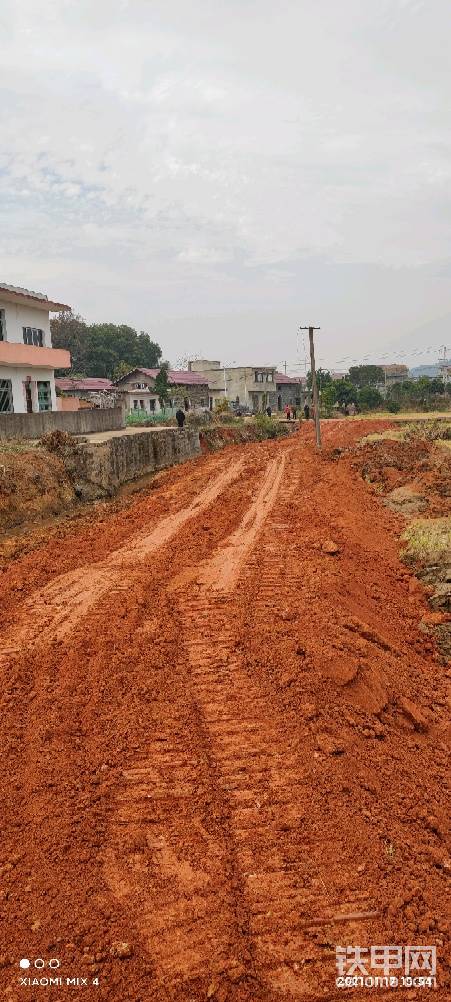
(224, 737)
(406, 471)
(33, 485)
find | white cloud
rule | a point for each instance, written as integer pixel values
(215, 156)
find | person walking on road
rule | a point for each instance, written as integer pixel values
(288, 412)
(294, 413)
(306, 411)
(180, 417)
(268, 411)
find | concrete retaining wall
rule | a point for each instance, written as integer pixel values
(122, 458)
(82, 422)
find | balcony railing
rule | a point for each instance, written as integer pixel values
(15, 353)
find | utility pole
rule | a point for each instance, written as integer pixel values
(314, 383)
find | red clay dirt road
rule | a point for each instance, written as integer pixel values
(222, 746)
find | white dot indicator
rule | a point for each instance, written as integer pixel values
(24, 962)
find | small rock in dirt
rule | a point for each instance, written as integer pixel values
(414, 714)
(345, 672)
(308, 711)
(237, 971)
(438, 858)
(330, 547)
(121, 950)
(328, 745)
(35, 925)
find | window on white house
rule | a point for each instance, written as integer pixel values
(2, 326)
(44, 395)
(141, 405)
(135, 405)
(151, 405)
(258, 377)
(33, 335)
(6, 396)
(269, 377)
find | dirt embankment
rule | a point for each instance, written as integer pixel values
(224, 737)
(39, 482)
(412, 476)
(33, 486)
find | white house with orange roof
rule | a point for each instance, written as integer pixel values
(27, 359)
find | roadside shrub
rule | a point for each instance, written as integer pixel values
(368, 398)
(268, 428)
(393, 407)
(195, 419)
(222, 406)
(228, 418)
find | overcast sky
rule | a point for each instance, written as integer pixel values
(219, 171)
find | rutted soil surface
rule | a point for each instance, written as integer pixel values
(224, 740)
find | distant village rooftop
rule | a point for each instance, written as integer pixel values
(179, 377)
(92, 383)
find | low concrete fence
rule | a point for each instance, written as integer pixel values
(107, 465)
(81, 422)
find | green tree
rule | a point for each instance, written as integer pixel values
(162, 385)
(366, 375)
(436, 386)
(122, 369)
(328, 398)
(98, 349)
(424, 393)
(368, 398)
(69, 331)
(346, 392)
(323, 379)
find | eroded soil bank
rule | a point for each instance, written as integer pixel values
(410, 470)
(224, 736)
(60, 473)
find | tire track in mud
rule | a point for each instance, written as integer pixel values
(259, 922)
(57, 608)
(259, 762)
(192, 915)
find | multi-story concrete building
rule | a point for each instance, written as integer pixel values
(247, 386)
(27, 359)
(137, 390)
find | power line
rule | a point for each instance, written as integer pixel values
(363, 359)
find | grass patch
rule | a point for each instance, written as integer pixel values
(432, 430)
(428, 540)
(18, 445)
